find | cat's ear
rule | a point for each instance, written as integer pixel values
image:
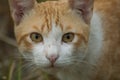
(19, 8)
(83, 8)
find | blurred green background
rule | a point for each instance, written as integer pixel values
(12, 67)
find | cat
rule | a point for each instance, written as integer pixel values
(70, 39)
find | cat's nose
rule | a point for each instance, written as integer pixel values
(52, 58)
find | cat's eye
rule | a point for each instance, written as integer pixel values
(68, 37)
(36, 37)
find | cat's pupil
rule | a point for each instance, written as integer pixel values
(68, 36)
(37, 36)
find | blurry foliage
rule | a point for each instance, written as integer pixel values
(41, 0)
(12, 66)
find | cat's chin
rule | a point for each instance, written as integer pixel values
(52, 70)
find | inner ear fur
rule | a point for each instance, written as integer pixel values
(19, 7)
(83, 8)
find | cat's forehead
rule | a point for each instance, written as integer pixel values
(50, 14)
(52, 7)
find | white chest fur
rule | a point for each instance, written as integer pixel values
(84, 72)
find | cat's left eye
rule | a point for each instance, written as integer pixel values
(68, 37)
(36, 37)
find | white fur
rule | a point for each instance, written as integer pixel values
(95, 39)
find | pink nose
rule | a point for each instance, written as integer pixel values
(52, 58)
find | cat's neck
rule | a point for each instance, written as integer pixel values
(95, 39)
(93, 52)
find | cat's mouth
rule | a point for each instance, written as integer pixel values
(52, 66)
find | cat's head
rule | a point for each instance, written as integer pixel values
(53, 33)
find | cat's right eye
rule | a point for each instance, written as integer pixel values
(36, 37)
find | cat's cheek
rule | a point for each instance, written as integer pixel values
(25, 47)
(80, 44)
(39, 56)
(66, 49)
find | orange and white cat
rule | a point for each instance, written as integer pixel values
(72, 39)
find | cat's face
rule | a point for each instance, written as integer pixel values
(52, 35)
